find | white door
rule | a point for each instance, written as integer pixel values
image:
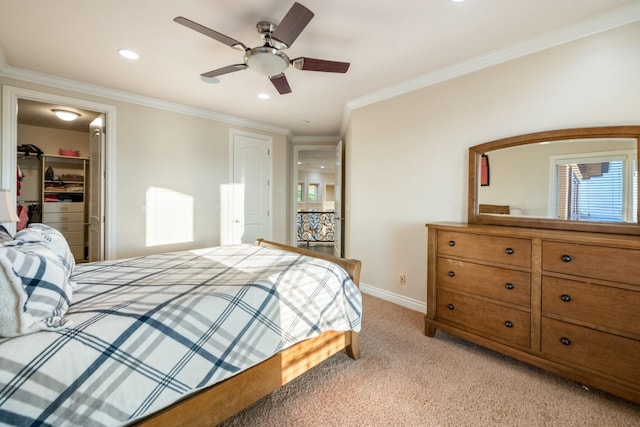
(338, 217)
(250, 191)
(96, 189)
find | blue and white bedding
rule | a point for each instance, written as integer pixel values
(142, 333)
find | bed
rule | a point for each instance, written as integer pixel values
(141, 344)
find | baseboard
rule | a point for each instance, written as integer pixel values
(409, 303)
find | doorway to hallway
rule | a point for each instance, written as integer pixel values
(317, 178)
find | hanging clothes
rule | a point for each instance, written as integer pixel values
(23, 216)
(19, 181)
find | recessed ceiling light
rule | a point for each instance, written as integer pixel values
(66, 115)
(129, 54)
(263, 96)
(457, 1)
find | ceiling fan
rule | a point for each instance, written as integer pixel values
(269, 59)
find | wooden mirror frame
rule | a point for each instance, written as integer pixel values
(476, 152)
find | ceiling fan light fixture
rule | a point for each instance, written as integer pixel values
(210, 80)
(66, 115)
(266, 60)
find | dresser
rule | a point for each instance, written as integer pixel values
(564, 301)
(64, 201)
(69, 219)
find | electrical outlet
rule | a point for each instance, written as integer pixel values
(403, 279)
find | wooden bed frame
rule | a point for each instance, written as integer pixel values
(213, 405)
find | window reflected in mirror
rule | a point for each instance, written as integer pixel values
(595, 188)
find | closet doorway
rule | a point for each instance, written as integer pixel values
(317, 197)
(58, 169)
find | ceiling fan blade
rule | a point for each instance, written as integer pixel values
(281, 83)
(225, 70)
(311, 64)
(210, 33)
(292, 24)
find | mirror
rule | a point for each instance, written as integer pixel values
(572, 179)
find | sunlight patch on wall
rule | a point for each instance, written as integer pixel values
(169, 217)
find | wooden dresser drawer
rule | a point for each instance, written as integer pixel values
(603, 305)
(51, 207)
(77, 251)
(596, 350)
(498, 283)
(599, 262)
(505, 324)
(498, 249)
(67, 227)
(63, 217)
(72, 237)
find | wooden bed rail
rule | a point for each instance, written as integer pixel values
(352, 266)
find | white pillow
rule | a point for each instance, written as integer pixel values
(54, 239)
(35, 290)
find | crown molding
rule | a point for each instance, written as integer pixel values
(616, 18)
(61, 83)
(334, 139)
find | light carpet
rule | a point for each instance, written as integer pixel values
(407, 379)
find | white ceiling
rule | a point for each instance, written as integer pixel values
(391, 46)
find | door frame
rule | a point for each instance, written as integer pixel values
(9, 143)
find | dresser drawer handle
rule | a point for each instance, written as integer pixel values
(565, 341)
(509, 251)
(452, 274)
(452, 243)
(566, 258)
(509, 286)
(508, 324)
(565, 297)
(450, 306)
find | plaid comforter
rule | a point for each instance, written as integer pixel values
(148, 331)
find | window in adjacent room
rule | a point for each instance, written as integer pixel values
(595, 187)
(299, 191)
(313, 192)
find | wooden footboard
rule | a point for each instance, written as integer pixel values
(215, 404)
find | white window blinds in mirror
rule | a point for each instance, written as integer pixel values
(598, 187)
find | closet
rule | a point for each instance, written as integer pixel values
(52, 187)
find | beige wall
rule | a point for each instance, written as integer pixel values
(180, 152)
(420, 141)
(51, 140)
